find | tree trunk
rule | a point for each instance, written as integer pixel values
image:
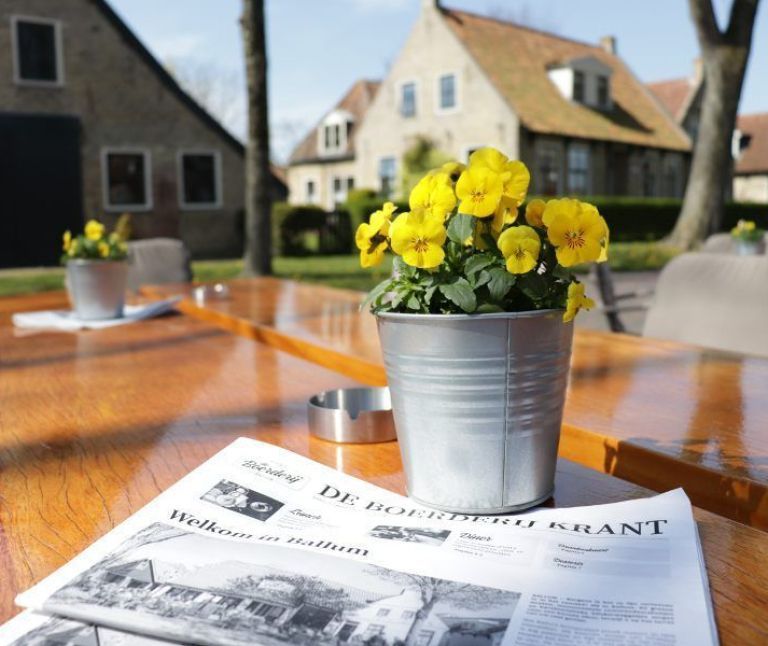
(257, 260)
(725, 56)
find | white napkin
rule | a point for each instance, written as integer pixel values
(67, 321)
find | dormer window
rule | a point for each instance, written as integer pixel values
(578, 86)
(585, 80)
(334, 132)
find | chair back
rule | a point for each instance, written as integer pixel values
(713, 300)
(158, 260)
(719, 243)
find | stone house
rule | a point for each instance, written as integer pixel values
(682, 98)
(321, 169)
(750, 182)
(93, 125)
(572, 111)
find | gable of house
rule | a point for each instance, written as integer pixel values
(754, 156)
(516, 59)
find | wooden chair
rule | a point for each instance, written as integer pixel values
(155, 261)
(612, 305)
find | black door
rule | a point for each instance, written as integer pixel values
(40, 187)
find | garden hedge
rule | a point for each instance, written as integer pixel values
(299, 230)
(631, 219)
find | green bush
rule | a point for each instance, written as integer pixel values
(300, 230)
(631, 219)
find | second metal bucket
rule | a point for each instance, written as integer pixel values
(478, 403)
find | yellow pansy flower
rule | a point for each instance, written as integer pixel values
(419, 238)
(742, 226)
(514, 174)
(94, 230)
(371, 237)
(502, 216)
(576, 229)
(576, 301)
(533, 212)
(479, 190)
(103, 249)
(453, 169)
(520, 246)
(434, 194)
(66, 240)
(603, 257)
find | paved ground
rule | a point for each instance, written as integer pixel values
(625, 282)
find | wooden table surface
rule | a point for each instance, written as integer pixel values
(93, 425)
(657, 413)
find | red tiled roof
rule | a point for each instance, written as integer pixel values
(356, 101)
(674, 95)
(754, 158)
(516, 59)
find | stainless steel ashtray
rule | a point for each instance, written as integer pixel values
(361, 415)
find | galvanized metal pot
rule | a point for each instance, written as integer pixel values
(750, 247)
(97, 288)
(478, 403)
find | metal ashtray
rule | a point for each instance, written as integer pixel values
(214, 292)
(362, 415)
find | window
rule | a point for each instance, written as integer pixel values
(37, 51)
(603, 97)
(649, 180)
(447, 91)
(310, 191)
(578, 168)
(373, 629)
(350, 183)
(548, 163)
(383, 612)
(200, 180)
(338, 190)
(408, 614)
(578, 86)
(424, 638)
(671, 175)
(332, 137)
(125, 174)
(408, 99)
(387, 175)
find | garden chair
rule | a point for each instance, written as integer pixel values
(612, 305)
(713, 300)
(158, 260)
(719, 243)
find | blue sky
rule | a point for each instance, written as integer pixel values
(318, 48)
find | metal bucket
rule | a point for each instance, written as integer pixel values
(478, 402)
(97, 288)
(750, 248)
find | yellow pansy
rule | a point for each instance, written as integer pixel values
(103, 249)
(533, 212)
(576, 229)
(502, 216)
(371, 237)
(479, 190)
(434, 194)
(453, 169)
(514, 174)
(603, 257)
(74, 248)
(743, 226)
(94, 230)
(520, 246)
(576, 301)
(419, 238)
(67, 240)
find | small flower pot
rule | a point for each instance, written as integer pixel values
(97, 288)
(750, 247)
(478, 403)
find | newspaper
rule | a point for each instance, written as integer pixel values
(262, 546)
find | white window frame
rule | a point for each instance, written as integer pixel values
(456, 91)
(310, 199)
(117, 150)
(332, 191)
(583, 147)
(379, 175)
(58, 47)
(217, 179)
(399, 97)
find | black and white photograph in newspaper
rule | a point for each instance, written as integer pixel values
(425, 535)
(55, 631)
(235, 497)
(175, 584)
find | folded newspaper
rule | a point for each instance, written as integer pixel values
(262, 546)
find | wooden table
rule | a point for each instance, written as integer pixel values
(94, 425)
(657, 413)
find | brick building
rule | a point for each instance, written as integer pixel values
(92, 125)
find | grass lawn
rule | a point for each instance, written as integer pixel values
(337, 271)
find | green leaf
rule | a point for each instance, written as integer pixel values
(488, 308)
(429, 293)
(483, 278)
(461, 294)
(460, 228)
(402, 270)
(477, 262)
(373, 297)
(533, 286)
(500, 284)
(413, 303)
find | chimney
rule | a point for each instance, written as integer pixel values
(608, 43)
